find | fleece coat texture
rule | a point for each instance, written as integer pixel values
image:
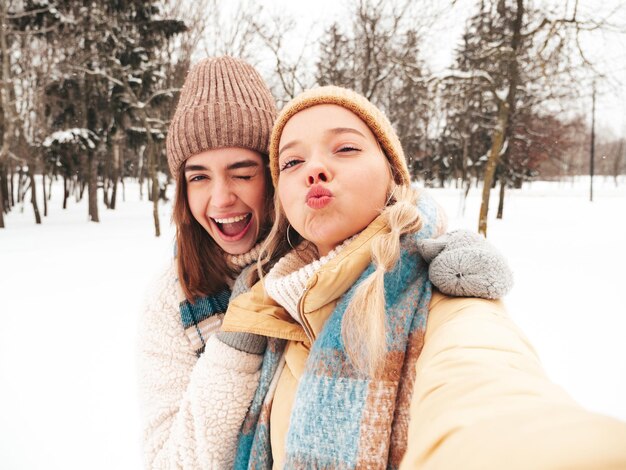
(193, 406)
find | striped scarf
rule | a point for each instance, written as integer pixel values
(204, 317)
(340, 417)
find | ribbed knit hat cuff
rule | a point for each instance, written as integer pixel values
(224, 102)
(373, 117)
(193, 130)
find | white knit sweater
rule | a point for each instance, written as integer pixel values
(286, 281)
(192, 407)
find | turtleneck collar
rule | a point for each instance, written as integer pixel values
(245, 259)
(287, 280)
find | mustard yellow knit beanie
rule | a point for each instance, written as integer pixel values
(224, 102)
(372, 116)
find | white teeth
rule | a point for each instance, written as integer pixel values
(231, 220)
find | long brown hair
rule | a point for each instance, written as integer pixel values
(203, 268)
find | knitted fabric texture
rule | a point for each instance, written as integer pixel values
(287, 280)
(340, 417)
(465, 264)
(372, 116)
(224, 102)
(245, 259)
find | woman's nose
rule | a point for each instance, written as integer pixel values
(318, 172)
(222, 195)
(317, 177)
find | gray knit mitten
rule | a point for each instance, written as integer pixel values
(246, 342)
(465, 264)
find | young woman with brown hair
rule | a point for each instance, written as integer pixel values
(217, 148)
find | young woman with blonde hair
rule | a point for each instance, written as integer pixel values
(371, 366)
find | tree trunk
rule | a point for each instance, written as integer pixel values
(45, 196)
(11, 201)
(120, 175)
(115, 171)
(506, 108)
(4, 187)
(5, 94)
(105, 192)
(617, 163)
(33, 194)
(114, 192)
(5, 196)
(592, 151)
(155, 205)
(142, 154)
(92, 187)
(66, 192)
(492, 163)
(1, 208)
(20, 184)
(150, 153)
(501, 202)
(155, 187)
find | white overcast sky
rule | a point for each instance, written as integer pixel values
(607, 50)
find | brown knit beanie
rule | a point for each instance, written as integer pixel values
(359, 105)
(224, 102)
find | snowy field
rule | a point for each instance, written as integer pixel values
(70, 292)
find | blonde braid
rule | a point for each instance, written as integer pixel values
(363, 328)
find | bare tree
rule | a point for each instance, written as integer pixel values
(517, 60)
(377, 53)
(292, 72)
(19, 91)
(7, 105)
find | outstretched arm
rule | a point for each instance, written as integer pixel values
(482, 400)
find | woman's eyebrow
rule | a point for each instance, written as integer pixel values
(344, 130)
(242, 164)
(333, 131)
(195, 168)
(287, 146)
(232, 166)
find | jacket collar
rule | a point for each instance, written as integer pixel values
(337, 276)
(256, 312)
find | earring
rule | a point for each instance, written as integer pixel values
(289, 241)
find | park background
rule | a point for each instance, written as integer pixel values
(87, 91)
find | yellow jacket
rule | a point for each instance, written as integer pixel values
(481, 398)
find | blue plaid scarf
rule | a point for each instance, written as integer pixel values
(203, 318)
(342, 418)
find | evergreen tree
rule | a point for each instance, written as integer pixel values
(117, 69)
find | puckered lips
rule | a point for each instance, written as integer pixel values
(233, 227)
(318, 197)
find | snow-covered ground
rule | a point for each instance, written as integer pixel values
(70, 292)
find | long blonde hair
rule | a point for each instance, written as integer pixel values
(363, 327)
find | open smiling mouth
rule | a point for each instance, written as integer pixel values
(233, 228)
